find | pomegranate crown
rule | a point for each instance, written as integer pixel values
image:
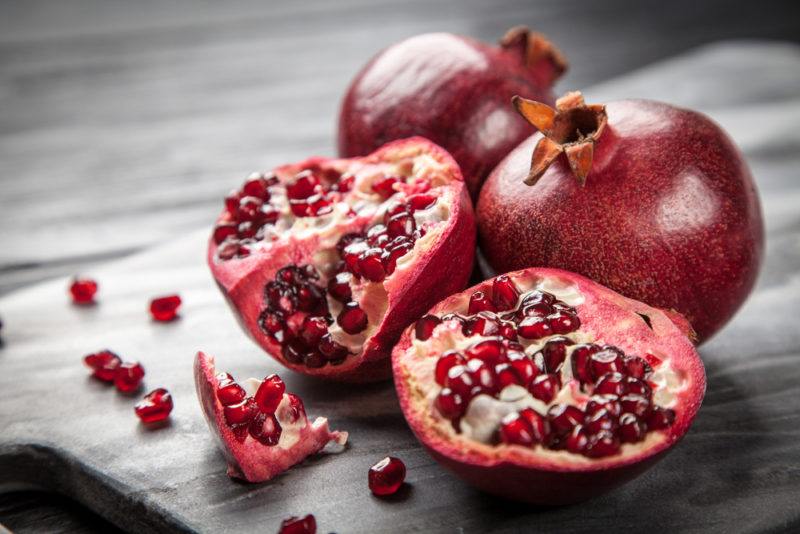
(572, 127)
(538, 53)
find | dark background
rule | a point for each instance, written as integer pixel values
(122, 124)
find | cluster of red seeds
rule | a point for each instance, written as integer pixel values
(373, 254)
(620, 411)
(256, 415)
(108, 367)
(297, 316)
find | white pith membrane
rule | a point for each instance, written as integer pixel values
(482, 418)
(312, 240)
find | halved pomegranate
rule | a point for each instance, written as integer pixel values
(326, 261)
(262, 432)
(559, 391)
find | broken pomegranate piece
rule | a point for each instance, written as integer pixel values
(560, 411)
(83, 290)
(326, 261)
(262, 433)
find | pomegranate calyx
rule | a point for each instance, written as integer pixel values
(536, 50)
(572, 128)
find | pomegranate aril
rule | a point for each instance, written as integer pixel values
(504, 293)
(564, 322)
(564, 417)
(611, 384)
(249, 209)
(386, 476)
(274, 325)
(256, 186)
(484, 324)
(384, 186)
(299, 525)
(83, 290)
(539, 425)
(312, 330)
(634, 404)
(507, 376)
(421, 201)
(352, 318)
(370, 265)
(296, 408)
(607, 403)
(104, 365)
(631, 429)
(580, 362)
(539, 309)
(515, 430)
(545, 387)
(479, 302)
(241, 413)
(604, 443)
(525, 369)
(128, 377)
(534, 328)
(600, 420)
(314, 359)
(637, 367)
(536, 297)
(508, 330)
(445, 363)
(269, 394)
(165, 308)
(402, 224)
(293, 351)
(155, 406)
(266, 429)
(303, 186)
(339, 287)
(460, 381)
(229, 393)
(605, 361)
(318, 205)
(423, 328)
(554, 353)
(232, 202)
(223, 231)
(660, 418)
(638, 387)
(450, 404)
(577, 440)
(482, 376)
(489, 350)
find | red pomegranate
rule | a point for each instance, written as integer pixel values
(452, 90)
(663, 209)
(543, 386)
(263, 433)
(326, 261)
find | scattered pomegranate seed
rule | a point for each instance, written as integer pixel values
(386, 476)
(104, 365)
(128, 377)
(165, 308)
(270, 393)
(155, 406)
(83, 290)
(299, 525)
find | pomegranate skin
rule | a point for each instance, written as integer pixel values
(453, 90)
(523, 474)
(669, 214)
(442, 268)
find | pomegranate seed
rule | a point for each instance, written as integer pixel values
(482, 375)
(249, 209)
(479, 302)
(266, 429)
(637, 367)
(515, 430)
(539, 425)
(652, 360)
(490, 351)
(508, 331)
(155, 406)
(525, 369)
(370, 265)
(247, 230)
(319, 205)
(241, 413)
(564, 417)
(256, 186)
(314, 359)
(460, 381)
(450, 404)
(564, 322)
(484, 324)
(273, 324)
(296, 408)
(545, 387)
(631, 429)
(634, 404)
(299, 525)
(299, 208)
(421, 201)
(384, 186)
(229, 392)
(600, 420)
(605, 361)
(386, 476)
(339, 287)
(580, 362)
(504, 293)
(223, 231)
(303, 186)
(232, 202)
(128, 377)
(269, 394)
(352, 318)
(507, 376)
(395, 252)
(313, 329)
(534, 328)
(604, 443)
(608, 403)
(611, 384)
(165, 308)
(402, 224)
(104, 365)
(554, 353)
(536, 297)
(332, 351)
(638, 387)
(660, 418)
(83, 290)
(538, 309)
(445, 363)
(577, 440)
(228, 250)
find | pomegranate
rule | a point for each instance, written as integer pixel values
(452, 90)
(263, 433)
(165, 309)
(386, 477)
(326, 261)
(548, 414)
(299, 525)
(155, 407)
(663, 210)
(83, 290)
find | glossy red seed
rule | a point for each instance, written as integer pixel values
(631, 429)
(534, 328)
(104, 365)
(296, 408)
(605, 361)
(539, 309)
(634, 404)
(155, 406)
(482, 376)
(580, 362)
(478, 302)
(525, 369)
(490, 351)
(445, 363)
(421, 201)
(83, 290)
(481, 325)
(249, 209)
(232, 202)
(608, 403)
(564, 417)
(508, 330)
(339, 287)
(312, 329)
(331, 350)
(450, 404)
(266, 429)
(299, 525)
(602, 444)
(611, 384)
(504, 293)
(600, 420)
(269, 394)
(638, 387)
(352, 318)
(515, 430)
(577, 440)
(460, 381)
(370, 265)
(660, 418)
(423, 328)
(637, 367)
(256, 186)
(128, 377)
(554, 353)
(165, 308)
(564, 322)
(241, 413)
(539, 425)
(545, 387)
(223, 231)
(507, 376)
(229, 392)
(384, 186)
(303, 186)
(402, 224)
(386, 476)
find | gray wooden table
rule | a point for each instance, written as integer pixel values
(121, 127)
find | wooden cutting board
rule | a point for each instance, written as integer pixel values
(737, 470)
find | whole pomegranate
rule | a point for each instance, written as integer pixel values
(452, 90)
(543, 386)
(260, 428)
(325, 262)
(663, 209)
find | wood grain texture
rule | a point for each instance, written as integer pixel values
(119, 131)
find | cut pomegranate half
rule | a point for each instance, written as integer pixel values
(326, 261)
(565, 391)
(259, 437)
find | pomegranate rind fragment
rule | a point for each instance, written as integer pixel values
(250, 460)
